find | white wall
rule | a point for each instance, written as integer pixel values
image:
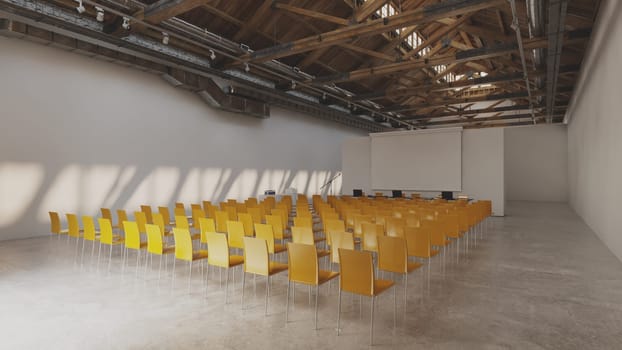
(536, 163)
(595, 129)
(482, 166)
(78, 134)
(356, 164)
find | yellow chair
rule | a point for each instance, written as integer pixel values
(206, 225)
(141, 220)
(307, 221)
(196, 215)
(304, 235)
(333, 225)
(108, 238)
(218, 255)
(278, 227)
(255, 213)
(90, 234)
(303, 268)
(133, 241)
(158, 220)
(184, 251)
(344, 240)
(247, 221)
(265, 231)
(181, 221)
(393, 257)
(73, 226)
(370, 233)
(179, 211)
(107, 214)
(257, 262)
(221, 218)
(148, 213)
(55, 227)
(235, 233)
(121, 217)
(166, 215)
(356, 271)
(155, 245)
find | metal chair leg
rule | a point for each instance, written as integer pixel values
(371, 330)
(287, 302)
(339, 312)
(317, 293)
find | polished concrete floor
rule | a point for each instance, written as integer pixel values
(539, 279)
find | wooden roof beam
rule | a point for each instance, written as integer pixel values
(165, 9)
(422, 15)
(312, 14)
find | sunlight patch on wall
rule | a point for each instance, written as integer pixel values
(19, 183)
(213, 181)
(243, 186)
(156, 189)
(95, 186)
(63, 195)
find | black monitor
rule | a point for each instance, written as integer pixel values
(397, 194)
(447, 195)
(357, 193)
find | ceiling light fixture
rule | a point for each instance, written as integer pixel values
(212, 55)
(165, 38)
(80, 7)
(247, 68)
(293, 85)
(100, 14)
(126, 23)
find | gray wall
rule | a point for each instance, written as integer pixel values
(78, 134)
(536, 163)
(595, 132)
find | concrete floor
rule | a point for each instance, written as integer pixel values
(540, 279)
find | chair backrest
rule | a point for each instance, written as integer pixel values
(154, 239)
(196, 215)
(148, 213)
(181, 221)
(302, 263)
(255, 213)
(132, 235)
(106, 213)
(282, 212)
(206, 225)
(183, 244)
(437, 233)
(333, 225)
(166, 215)
(73, 225)
(417, 241)
(105, 231)
(343, 240)
(370, 233)
(392, 254)
(179, 205)
(277, 225)
(265, 232)
(256, 256)
(141, 220)
(195, 206)
(395, 227)
(221, 218)
(179, 211)
(302, 235)
(303, 221)
(232, 212)
(121, 217)
(357, 272)
(54, 222)
(235, 232)
(218, 249)
(158, 220)
(89, 227)
(247, 221)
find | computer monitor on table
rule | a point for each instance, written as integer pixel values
(357, 193)
(397, 194)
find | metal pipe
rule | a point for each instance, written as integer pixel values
(519, 39)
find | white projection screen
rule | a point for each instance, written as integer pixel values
(426, 160)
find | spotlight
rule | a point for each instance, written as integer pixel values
(293, 85)
(165, 38)
(80, 7)
(247, 68)
(212, 55)
(100, 14)
(514, 25)
(126, 23)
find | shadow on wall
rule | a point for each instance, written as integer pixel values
(29, 190)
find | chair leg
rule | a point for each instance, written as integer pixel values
(173, 275)
(317, 293)
(226, 285)
(137, 262)
(99, 253)
(110, 259)
(267, 294)
(190, 277)
(243, 284)
(339, 312)
(371, 330)
(287, 301)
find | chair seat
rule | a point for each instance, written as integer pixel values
(168, 250)
(195, 236)
(433, 252)
(325, 276)
(201, 254)
(382, 285)
(276, 267)
(116, 240)
(279, 248)
(412, 266)
(235, 260)
(322, 253)
(62, 232)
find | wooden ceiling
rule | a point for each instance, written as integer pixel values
(398, 64)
